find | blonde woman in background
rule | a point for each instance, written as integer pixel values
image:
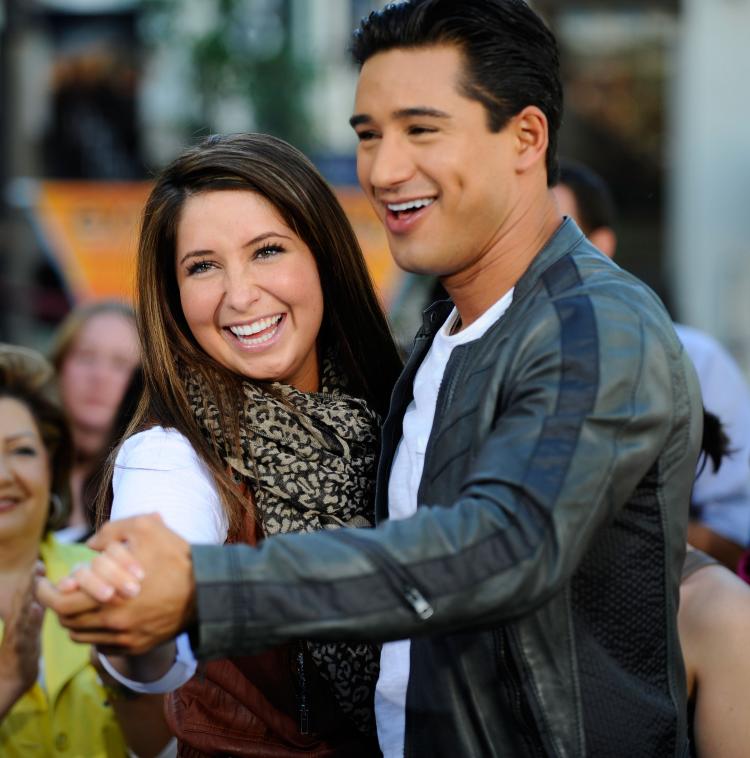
(52, 700)
(95, 352)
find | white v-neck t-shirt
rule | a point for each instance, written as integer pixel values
(403, 486)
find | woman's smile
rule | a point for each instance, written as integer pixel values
(259, 333)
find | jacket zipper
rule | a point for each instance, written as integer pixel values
(444, 398)
(512, 680)
(399, 578)
(303, 704)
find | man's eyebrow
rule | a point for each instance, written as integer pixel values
(363, 118)
(420, 111)
(359, 118)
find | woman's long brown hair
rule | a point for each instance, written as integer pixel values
(353, 321)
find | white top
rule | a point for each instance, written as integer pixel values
(723, 496)
(157, 471)
(403, 485)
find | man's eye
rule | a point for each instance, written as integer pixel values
(417, 130)
(365, 136)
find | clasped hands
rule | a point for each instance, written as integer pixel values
(138, 592)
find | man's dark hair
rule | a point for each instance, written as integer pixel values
(593, 198)
(511, 56)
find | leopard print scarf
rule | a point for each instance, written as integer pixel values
(310, 460)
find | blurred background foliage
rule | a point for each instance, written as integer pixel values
(239, 52)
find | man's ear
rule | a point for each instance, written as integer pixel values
(532, 135)
(605, 239)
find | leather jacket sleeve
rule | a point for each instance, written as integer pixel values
(564, 430)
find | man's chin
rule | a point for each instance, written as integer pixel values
(414, 259)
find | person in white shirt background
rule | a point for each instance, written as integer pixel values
(720, 506)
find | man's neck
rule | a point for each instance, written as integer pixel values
(475, 288)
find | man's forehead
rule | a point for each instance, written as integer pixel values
(405, 82)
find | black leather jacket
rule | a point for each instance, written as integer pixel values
(539, 577)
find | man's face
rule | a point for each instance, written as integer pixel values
(442, 184)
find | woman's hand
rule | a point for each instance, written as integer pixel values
(20, 648)
(110, 575)
(158, 612)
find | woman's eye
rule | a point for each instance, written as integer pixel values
(268, 251)
(26, 450)
(198, 267)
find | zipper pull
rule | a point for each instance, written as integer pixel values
(304, 720)
(303, 708)
(418, 602)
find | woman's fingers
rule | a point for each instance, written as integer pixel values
(119, 553)
(112, 572)
(103, 578)
(64, 604)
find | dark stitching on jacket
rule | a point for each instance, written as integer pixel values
(573, 651)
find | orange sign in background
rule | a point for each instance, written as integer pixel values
(91, 229)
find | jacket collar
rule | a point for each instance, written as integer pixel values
(434, 317)
(566, 237)
(563, 240)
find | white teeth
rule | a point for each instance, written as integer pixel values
(256, 340)
(411, 204)
(247, 330)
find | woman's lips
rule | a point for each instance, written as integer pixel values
(258, 339)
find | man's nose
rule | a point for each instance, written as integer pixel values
(391, 163)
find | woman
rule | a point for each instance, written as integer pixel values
(95, 352)
(60, 705)
(267, 365)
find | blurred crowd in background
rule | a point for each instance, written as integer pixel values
(97, 95)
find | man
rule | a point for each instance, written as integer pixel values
(720, 498)
(537, 460)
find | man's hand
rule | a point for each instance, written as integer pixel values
(159, 611)
(20, 648)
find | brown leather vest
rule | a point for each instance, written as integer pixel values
(271, 705)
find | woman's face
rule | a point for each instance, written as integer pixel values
(249, 288)
(97, 369)
(25, 477)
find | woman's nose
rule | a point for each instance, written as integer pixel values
(240, 291)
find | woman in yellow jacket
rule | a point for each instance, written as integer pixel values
(52, 700)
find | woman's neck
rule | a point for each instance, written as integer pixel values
(88, 443)
(18, 552)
